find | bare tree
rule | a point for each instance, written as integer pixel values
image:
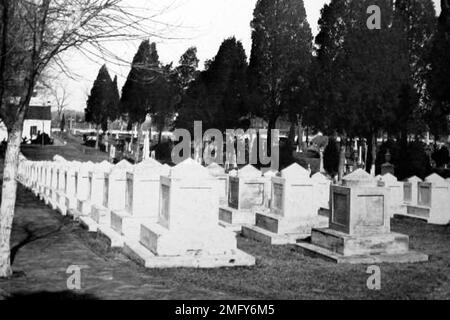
(61, 98)
(33, 36)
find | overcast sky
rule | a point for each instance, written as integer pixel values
(201, 23)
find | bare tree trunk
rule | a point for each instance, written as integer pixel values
(9, 191)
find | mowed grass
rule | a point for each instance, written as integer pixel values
(71, 152)
(280, 272)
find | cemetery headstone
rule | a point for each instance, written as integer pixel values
(360, 230)
(246, 192)
(294, 210)
(186, 233)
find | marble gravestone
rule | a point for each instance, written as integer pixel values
(96, 192)
(187, 233)
(113, 193)
(360, 231)
(72, 173)
(218, 172)
(322, 187)
(294, 210)
(96, 186)
(82, 188)
(54, 177)
(433, 201)
(411, 191)
(142, 190)
(267, 177)
(114, 183)
(246, 192)
(45, 193)
(396, 194)
(61, 188)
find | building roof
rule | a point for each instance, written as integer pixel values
(39, 113)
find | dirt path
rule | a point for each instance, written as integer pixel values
(46, 244)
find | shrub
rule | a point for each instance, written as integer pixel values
(331, 157)
(441, 157)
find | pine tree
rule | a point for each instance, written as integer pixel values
(416, 22)
(438, 84)
(280, 58)
(187, 70)
(218, 97)
(100, 101)
(137, 91)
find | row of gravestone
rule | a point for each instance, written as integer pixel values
(427, 199)
(141, 203)
(160, 216)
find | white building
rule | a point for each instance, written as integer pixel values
(38, 119)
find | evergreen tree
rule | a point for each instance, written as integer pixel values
(137, 91)
(359, 71)
(438, 84)
(218, 97)
(280, 58)
(100, 101)
(416, 23)
(188, 69)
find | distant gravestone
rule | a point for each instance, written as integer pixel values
(218, 172)
(246, 192)
(83, 183)
(294, 210)
(142, 198)
(396, 194)
(113, 193)
(322, 187)
(72, 185)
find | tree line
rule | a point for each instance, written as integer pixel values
(348, 81)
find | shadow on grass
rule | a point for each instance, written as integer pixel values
(44, 295)
(30, 237)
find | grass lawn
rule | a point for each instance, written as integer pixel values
(72, 151)
(46, 244)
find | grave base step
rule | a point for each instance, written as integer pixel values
(70, 202)
(418, 211)
(62, 209)
(280, 225)
(214, 240)
(237, 228)
(101, 215)
(89, 224)
(328, 255)
(115, 239)
(264, 236)
(127, 225)
(84, 207)
(347, 245)
(75, 214)
(235, 217)
(144, 257)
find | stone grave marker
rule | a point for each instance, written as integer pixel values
(294, 210)
(246, 193)
(142, 194)
(360, 231)
(187, 233)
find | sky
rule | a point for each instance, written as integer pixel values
(201, 23)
